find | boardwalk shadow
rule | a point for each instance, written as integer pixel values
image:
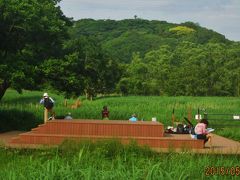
(14, 119)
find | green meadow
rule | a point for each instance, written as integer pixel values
(23, 111)
(110, 159)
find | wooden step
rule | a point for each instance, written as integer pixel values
(15, 140)
(35, 130)
(144, 133)
(102, 128)
(156, 142)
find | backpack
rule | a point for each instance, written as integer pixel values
(192, 131)
(48, 103)
(180, 128)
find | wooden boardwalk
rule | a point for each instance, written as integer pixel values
(144, 133)
(6, 137)
(220, 145)
(151, 134)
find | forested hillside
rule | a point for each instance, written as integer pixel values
(121, 38)
(161, 58)
(41, 48)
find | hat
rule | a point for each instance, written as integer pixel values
(45, 95)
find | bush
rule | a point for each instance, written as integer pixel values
(14, 119)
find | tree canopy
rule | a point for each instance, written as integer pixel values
(30, 32)
(40, 49)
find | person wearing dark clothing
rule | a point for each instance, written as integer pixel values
(48, 103)
(105, 113)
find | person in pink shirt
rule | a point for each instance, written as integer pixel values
(201, 130)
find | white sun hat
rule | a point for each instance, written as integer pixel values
(45, 95)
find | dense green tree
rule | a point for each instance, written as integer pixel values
(189, 69)
(84, 70)
(132, 56)
(233, 68)
(30, 31)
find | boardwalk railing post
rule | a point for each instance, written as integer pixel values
(45, 115)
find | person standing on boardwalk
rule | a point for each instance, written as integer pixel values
(105, 113)
(48, 104)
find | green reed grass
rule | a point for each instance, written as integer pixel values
(123, 107)
(108, 160)
(25, 111)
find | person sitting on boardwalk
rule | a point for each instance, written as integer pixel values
(201, 131)
(133, 118)
(105, 113)
(48, 103)
(68, 116)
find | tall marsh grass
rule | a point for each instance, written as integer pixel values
(111, 159)
(23, 111)
(108, 160)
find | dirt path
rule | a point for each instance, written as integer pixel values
(7, 136)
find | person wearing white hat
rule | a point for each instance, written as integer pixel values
(48, 103)
(45, 95)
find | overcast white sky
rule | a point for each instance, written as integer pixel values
(222, 16)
